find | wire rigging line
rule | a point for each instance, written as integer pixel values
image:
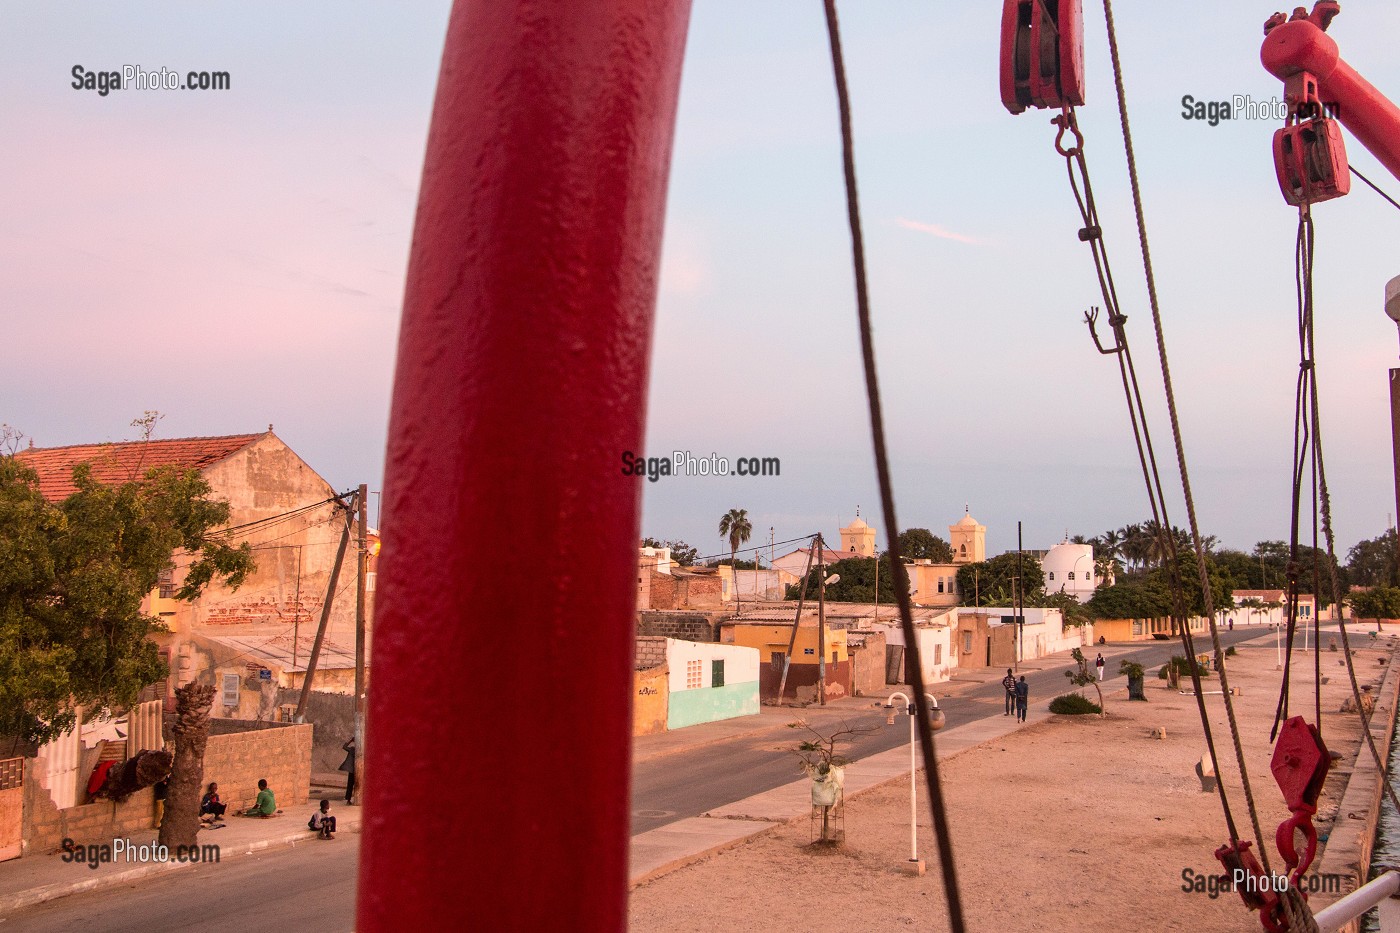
(877, 428)
(1321, 495)
(1160, 528)
(1374, 187)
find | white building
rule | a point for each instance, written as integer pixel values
(1069, 568)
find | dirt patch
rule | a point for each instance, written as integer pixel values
(1073, 823)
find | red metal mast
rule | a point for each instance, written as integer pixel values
(500, 715)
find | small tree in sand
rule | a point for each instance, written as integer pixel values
(826, 767)
(1083, 675)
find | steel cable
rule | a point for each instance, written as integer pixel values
(882, 467)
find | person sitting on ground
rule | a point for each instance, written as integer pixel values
(322, 821)
(266, 805)
(210, 805)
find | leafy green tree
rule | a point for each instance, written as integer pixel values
(1380, 602)
(993, 582)
(1221, 586)
(1373, 562)
(1131, 598)
(73, 575)
(857, 583)
(922, 544)
(682, 553)
(1074, 612)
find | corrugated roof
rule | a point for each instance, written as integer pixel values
(127, 460)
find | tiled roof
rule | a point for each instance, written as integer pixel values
(126, 460)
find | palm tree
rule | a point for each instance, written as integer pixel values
(734, 524)
(1134, 545)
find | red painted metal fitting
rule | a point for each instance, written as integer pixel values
(1300, 766)
(1257, 892)
(1042, 54)
(1310, 160)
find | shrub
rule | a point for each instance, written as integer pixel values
(1230, 651)
(1131, 668)
(1183, 666)
(1162, 674)
(1073, 704)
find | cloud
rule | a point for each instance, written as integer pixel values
(940, 232)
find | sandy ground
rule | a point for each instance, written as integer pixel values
(1074, 823)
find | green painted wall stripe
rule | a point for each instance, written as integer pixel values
(708, 704)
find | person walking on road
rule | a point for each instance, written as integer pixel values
(1098, 663)
(1009, 682)
(1023, 696)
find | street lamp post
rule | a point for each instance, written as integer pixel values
(936, 720)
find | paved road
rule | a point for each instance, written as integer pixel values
(309, 888)
(685, 784)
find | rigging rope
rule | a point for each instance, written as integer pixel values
(1176, 437)
(882, 468)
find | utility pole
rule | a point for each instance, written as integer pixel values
(363, 564)
(796, 622)
(310, 675)
(821, 621)
(1020, 601)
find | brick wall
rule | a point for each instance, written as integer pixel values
(45, 825)
(651, 652)
(699, 592)
(281, 754)
(689, 626)
(662, 589)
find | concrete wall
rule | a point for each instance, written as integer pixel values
(237, 759)
(867, 650)
(649, 700)
(690, 626)
(688, 704)
(45, 825)
(332, 718)
(935, 644)
(650, 652)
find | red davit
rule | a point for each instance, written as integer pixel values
(500, 715)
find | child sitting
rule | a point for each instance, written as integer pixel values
(322, 822)
(211, 809)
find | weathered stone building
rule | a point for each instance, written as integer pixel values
(250, 641)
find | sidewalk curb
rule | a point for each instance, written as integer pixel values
(10, 903)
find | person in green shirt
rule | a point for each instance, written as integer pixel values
(266, 805)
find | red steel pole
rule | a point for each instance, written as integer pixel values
(500, 702)
(1300, 45)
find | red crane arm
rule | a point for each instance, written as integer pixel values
(1300, 46)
